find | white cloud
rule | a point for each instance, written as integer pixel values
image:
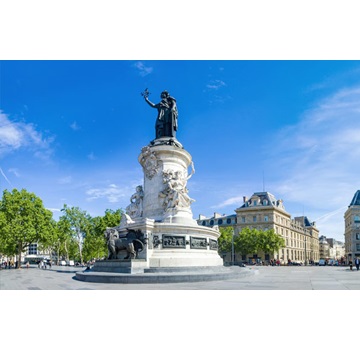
(75, 126)
(237, 201)
(143, 70)
(215, 84)
(65, 180)
(19, 135)
(319, 159)
(112, 193)
(15, 171)
(4, 176)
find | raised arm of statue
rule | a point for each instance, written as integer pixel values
(149, 102)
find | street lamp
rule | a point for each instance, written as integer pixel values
(232, 248)
(304, 238)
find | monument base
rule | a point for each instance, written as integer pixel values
(167, 275)
(120, 266)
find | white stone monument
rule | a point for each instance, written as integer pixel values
(161, 207)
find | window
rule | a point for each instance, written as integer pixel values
(357, 235)
(243, 219)
(33, 249)
(228, 221)
(204, 223)
(211, 222)
(357, 219)
(254, 218)
(266, 218)
(220, 221)
(358, 247)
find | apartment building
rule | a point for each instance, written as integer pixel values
(263, 211)
(352, 228)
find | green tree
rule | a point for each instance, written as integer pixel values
(253, 241)
(247, 241)
(225, 239)
(79, 223)
(23, 220)
(95, 242)
(270, 242)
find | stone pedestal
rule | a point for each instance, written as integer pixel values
(162, 212)
(120, 266)
(158, 161)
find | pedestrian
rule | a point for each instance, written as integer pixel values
(350, 264)
(357, 263)
(27, 264)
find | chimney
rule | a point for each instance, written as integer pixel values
(244, 199)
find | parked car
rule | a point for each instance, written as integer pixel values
(322, 262)
(62, 263)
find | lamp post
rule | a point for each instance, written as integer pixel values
(305, 251)
(304, 238)
(232, 248)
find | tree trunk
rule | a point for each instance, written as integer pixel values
(19, 256)
(58, 257)
(80, 252)
(78, 232)
(66, 250)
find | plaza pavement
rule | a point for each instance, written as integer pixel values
(262, 278)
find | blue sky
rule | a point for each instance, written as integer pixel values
(71, 132)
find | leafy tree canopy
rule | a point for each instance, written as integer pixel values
(252, 241)
(225, 239)
(23, 220)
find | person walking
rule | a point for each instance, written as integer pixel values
(350, 264)
(357, 263)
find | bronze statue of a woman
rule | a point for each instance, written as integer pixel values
(166, 121)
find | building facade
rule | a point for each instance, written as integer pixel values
(263, 211)
(336, 249)
(352, 228)
(324, 248)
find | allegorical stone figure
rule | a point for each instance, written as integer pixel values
(167, 119)
(175, 193)
(135, 208)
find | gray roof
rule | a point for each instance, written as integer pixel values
(270, 198)
(356, 199)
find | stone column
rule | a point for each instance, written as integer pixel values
(160, 163)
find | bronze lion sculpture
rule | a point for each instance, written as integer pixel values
(132, 242)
